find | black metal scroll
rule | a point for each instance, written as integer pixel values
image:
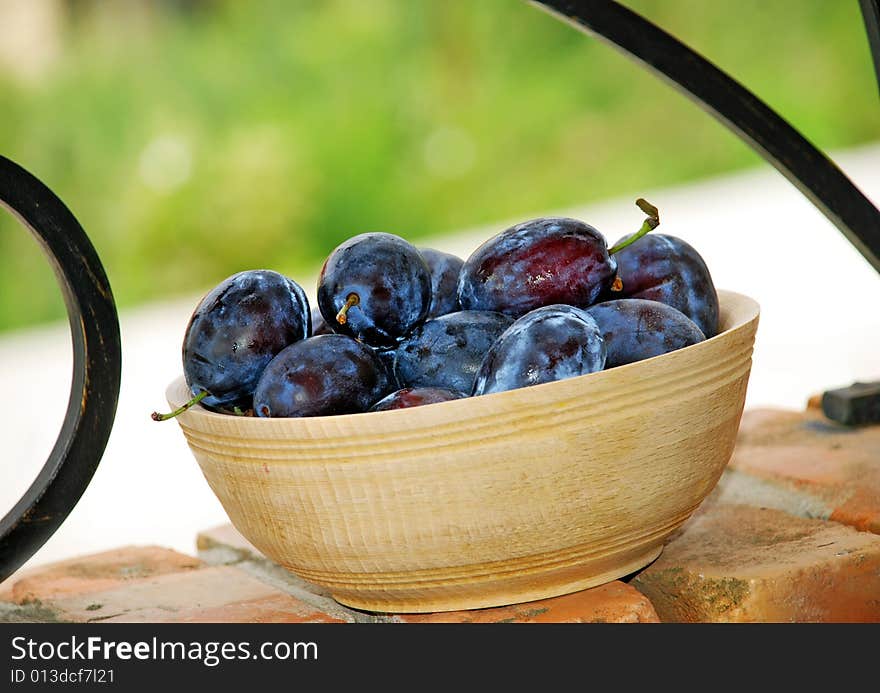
(94, 329)
(871, 15)
(807, 168)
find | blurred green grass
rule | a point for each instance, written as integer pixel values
(193, 143)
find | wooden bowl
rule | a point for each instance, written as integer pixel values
(491, 500)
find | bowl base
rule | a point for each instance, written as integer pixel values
(503, 591)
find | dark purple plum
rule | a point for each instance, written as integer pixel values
(386, 357)
(416, 397)
(547, 344)
(375, 287)
(319, 325)
(635, 329)
(664, 268)
(321, 376)
(537, 263)
(445, 269)
(236, 330)
(447, 351)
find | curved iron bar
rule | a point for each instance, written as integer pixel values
(807, 168)
(871, 15)
(94, 329)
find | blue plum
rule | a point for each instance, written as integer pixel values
(236, 330)
(445, 269)
(665, 268)
(546, 261)
(321, 376)
(447, 351)
(375, 287)
(319, 325)
(635, 329)
(386, 358)
(416, 397)
(547, 344)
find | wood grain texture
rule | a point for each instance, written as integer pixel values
(490, 500)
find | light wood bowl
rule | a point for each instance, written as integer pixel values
(490, 500)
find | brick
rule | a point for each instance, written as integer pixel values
(228, 539)
(837, 466)
(94, 573)
(151, 584)
(613, 602)
(224, 545)
(738, 487)
(29, 612)
(210, 595)
(741, 563)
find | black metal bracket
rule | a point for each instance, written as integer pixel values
(94, 329)
(807, 168)
(855, 405)
(871, 15)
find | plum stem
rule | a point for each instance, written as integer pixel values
(651, 223)
(351, 301)
(156, 416)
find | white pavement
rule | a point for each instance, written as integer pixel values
(819, 329)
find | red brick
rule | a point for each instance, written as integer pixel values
(277, 608)
(150, 584)
(614, 602)
(228, 537)
(740, 563)
(806, 453)
(95, 572)
(210, 595)
(224, 545)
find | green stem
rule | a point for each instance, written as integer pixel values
(651, 223)
(156, 416)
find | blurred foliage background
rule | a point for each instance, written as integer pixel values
(194, 139)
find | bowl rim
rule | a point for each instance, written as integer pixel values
(746, 311)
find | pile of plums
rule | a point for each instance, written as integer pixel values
(397, 326)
